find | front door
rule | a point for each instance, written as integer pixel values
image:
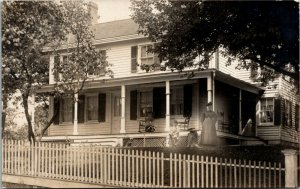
(116, 112)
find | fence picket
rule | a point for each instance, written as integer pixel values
(211, 172)
(216, 172)
(254, 172)
(184, 171)
(264, 168)
(197, 172)
(269, 174)
(202, 172)
(134, 168)
(259, 174)
(163, 169)
(193, 171)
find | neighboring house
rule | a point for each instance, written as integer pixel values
(112, 110)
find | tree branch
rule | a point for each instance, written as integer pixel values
(293, 75)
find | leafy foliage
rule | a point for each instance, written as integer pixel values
(258, 34)
(82, 60)
(27, 26)
(31, 32)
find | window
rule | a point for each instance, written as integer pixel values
(92, 108)
(67, 110)
(177, 101)
(287, 114)
(148, 60)
(56, 67)
(145, 103)
(96, 72)
(266, 110)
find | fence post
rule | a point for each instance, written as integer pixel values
(291, 177)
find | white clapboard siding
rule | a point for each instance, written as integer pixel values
(268, 132)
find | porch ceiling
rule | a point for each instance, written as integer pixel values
(220, 76)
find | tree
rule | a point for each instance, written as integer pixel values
(34, 30)
(258, 34)
(27, 26)
(83, 61)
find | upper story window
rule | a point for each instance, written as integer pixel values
(267, 110)
(95, 72)
(142, 58)
(287, 113)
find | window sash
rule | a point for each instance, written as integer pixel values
(145, 103)
(92, 108)
(176, 101)
(267, 111)
(67, 110)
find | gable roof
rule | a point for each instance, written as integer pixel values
(115, 29)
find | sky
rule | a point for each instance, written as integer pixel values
(110, 10)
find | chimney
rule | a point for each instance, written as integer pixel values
(93, 9)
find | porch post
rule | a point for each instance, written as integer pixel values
(75, 126)
(123, 94)
(167, 128)
(240, 111)
(210, 90)
(33, 111)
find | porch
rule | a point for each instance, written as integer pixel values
(116, 108)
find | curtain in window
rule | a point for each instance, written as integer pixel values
(67, 110)
(92, 108)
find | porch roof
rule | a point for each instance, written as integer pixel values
(146, 78)
(228, 79)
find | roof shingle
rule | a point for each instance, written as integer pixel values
(115, 29)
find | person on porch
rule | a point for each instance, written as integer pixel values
(208, 120)
(248, 129)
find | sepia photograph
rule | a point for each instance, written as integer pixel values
(150, 94)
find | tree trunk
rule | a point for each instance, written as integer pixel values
(4, 113)
(49, 124)
(31, 136)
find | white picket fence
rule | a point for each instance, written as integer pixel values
(135, 168)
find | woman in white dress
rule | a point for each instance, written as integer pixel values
(208, 120)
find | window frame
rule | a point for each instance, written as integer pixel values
(87, 95)
(149, 106)
(101, 74)
(61, 117)
(180, 89)
(139, 58)
(260, 111)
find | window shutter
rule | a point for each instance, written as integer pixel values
(101, 107)
(290, 115)
(56, 65)
(159, 102)
(297, 126)
(187, 100)
(133, 105)
(134, 59)
(56, 108)
(282, 108)
(277, 111)
(81, 108)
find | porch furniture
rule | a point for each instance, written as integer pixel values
(182, 124)
(145, 123)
